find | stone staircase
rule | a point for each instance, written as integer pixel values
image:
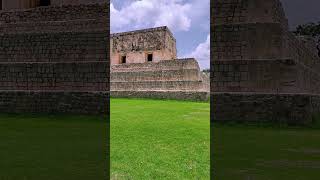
(167, 79)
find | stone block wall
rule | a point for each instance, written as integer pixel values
(295, 109)
(247, 41)
(73, 76)
(260, 70)
(164, 95)
(163, 80)
(75, 2)
(248, 11)
(277, 76)
(26, 4)
(299, 51)
(82, 25)
(57, 69)
(70, 102)
(56, 13)
(281, 62)
(53, 47)
(173, 64)
(309, 41)
(135, 45)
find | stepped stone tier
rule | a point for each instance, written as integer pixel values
(260, 70)
(163, 77)
(55, 59)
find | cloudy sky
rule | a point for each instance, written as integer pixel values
(301, 11)
(189, 21)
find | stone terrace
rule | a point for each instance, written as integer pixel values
(167, 79)
(260, 70)
(55, 60)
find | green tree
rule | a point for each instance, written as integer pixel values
(206, 70)
(310, 29)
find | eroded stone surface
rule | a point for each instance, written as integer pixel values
(136, 45)
(254, 54)
(55, 60)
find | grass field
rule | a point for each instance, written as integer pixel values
(152, 139)
(52, 147)
(244, 152)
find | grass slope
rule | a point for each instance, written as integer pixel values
(52, 147)
(154, 139)
(244, 152)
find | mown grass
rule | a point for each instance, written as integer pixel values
(154, 139)
(265, 152)
(37, 147)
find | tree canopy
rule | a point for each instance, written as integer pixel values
(309, 29)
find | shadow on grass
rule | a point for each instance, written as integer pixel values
(314, 125)
(53, 146)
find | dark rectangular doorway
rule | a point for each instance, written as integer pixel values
(150, 57)
(123, 59)
(44, 2)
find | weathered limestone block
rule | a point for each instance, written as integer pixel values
(64, 68)
(53, 47)
(73, 76)
(57, 13)
(253, 52)
(278, 76)
(136, 45)
(81, 25)
(162, 80)
(174, 95)
(294, 109)
(71, 102)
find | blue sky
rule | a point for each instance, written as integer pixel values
(301, 12)
(189, 21)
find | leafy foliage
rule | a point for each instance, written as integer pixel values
(206, 70)
(310, 29)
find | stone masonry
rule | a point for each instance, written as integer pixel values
(162, 77)
(136, 45)
(260, 70)
(55, 59)
(26, 4)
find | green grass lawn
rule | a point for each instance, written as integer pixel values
(154, 139)
(46, 147)
(243, 152)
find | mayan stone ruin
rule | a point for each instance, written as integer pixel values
(145, 65)
(260, 70)
(54, 57)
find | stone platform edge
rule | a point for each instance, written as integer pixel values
(47, 102)
(200, 96)
(295, 109)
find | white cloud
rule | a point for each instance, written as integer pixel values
(178, 15)
(202, 54)
(151, 13)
